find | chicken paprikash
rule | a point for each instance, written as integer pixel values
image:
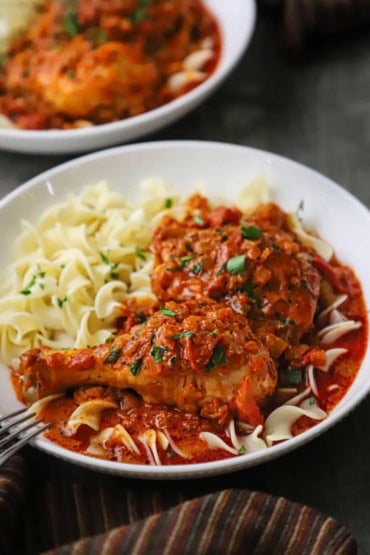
(86, 63)
(248, 320)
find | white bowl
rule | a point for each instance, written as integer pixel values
(236, 20)
(224, 169)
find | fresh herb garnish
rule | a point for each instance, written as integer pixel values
(168, 203)
(71, 73)
(249, 288)
(140, 316)
(27, 290)
(168, 312)
(70, 24)
(236, 265)
(61, 301)
(184, 260)
(136, 367)
(104, 258)
(312, 401)
(182, 334)
(293, 377)
(221, 270)
(218, 357)
(242, 450)
(140, 253)
(141, 12)
(113, 356)
(197, 268)
(251, 232)
(112, 265)
(198, 219)
(158, 352)
(96, 35)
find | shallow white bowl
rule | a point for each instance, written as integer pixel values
(236, 20)
(224, 169)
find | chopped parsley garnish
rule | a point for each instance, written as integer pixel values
(27, 290)
(140, 254)
(249, 288)
(168, 203)
(141, 12)
(188, 247)
(198, 219)
(236, 265)
(104, 258)
(251, 232)
(197, 268)
(70, 24)
(136, 367)
(158, 352)
(140, 316)
(182, 334)
(113, 356)
(71, 73)
(242, 450)
(112, 265)
(312, 401)
(97, 35)
(221, 270)
(218, 357)
(61, 301)
(168, 312)
(293, 377)
(184, 260)
(304, 283)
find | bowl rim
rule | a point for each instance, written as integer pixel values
(196, 470)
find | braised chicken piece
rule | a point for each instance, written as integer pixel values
(255, 263)
(200, 357)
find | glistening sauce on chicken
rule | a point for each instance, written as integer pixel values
(87, 63)
(255, 332)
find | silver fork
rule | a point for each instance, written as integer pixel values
(12, 431)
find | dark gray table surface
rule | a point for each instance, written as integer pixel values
(316, 112)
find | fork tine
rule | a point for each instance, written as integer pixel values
(12, 414)
(14, 422)
(5, 455)
(9, 437)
